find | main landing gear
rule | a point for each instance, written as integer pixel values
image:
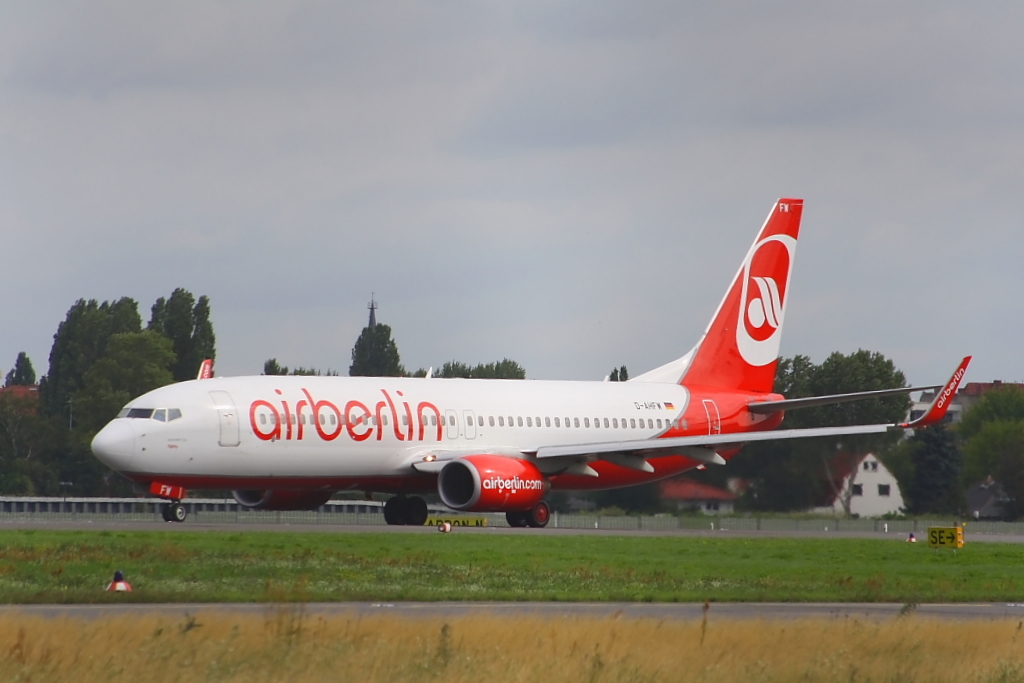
(401, 510)
(538, 516)
(174, 512)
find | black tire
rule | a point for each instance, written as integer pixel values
(516, 519)
(177, 513)
(539, 515)
(416, 511)
(395, 510)
(165, 512)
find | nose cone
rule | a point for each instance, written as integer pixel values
(115, 444)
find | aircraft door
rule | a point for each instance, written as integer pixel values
(451, 424)
(714, 418)
(228, 418)
(470, 424)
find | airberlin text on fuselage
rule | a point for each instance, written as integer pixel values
(307, 417)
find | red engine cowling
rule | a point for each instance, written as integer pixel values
(282, 499)
(491, 483)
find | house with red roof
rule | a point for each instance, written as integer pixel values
(687, 494)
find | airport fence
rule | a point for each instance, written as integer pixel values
(370, 513)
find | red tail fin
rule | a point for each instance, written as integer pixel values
(740, 348)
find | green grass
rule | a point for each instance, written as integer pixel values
(73, 566)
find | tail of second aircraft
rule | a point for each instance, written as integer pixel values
(740, 348)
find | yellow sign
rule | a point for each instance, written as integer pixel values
(457, 521)
(945, 537)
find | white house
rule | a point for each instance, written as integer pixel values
(865, 482)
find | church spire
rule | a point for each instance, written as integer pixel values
(373, 312)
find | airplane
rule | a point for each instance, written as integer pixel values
(291, 442)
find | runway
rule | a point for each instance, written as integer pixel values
(237, 527)
(546, 610)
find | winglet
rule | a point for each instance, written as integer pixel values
(940, 404)
(206, 369)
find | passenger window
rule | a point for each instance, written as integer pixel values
(529, 421)
(650, 423)
(451, 420)
(632, 423)
(263, 419)
(405, 420)
(173, 414)
(490, 420)
(511, 421)
(538, 422)
(323, 420)
(384, 418)
(576, 422)
(547, 421)
(433, 420)
(501, 420)
(334, 420)
(557, 422)
(606, 423)
(480, 421)
(659, 423)
(615, 422)
(586, 422)
(568, 423)
(520, 421)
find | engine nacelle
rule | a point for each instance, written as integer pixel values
(491, 483)
(281, 499)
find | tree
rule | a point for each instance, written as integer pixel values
(22, 374)
(134, 364)
(375, 354)
(795, 475)
(619, 374)
(993, 433)
(272, 367)
(186, 322)
(932, 485)
(80, 341)
(25, 441)
(503, 369)
(998, 449)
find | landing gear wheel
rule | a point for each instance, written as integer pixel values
(515, 519)
(539, 516)
(395, 510)
(416, 511)
(174, 512)
(178, 513)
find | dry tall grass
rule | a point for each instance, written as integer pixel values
(286, 645)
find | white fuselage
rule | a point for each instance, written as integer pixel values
(249, 431)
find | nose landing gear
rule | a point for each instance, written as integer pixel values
(174, 512)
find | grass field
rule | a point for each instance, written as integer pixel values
(72, 566)
(286, 645)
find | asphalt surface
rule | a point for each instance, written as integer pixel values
(545, 610)
(236, 527)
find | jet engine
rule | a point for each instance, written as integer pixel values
(281, 499)
(491, 483)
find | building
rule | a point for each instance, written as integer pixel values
(965, 398)
(870, 487)
(687, 494)
(984, 500)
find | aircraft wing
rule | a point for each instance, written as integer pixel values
(573, 458)
(765, 407)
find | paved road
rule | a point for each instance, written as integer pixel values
(548, 610)
(359, 528)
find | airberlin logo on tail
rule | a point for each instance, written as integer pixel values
(763, 299)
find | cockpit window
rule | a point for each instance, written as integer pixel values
(141, 413)
(173, 414)
(124, 412)
(160, 415)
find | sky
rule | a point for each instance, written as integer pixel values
(571, 185)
